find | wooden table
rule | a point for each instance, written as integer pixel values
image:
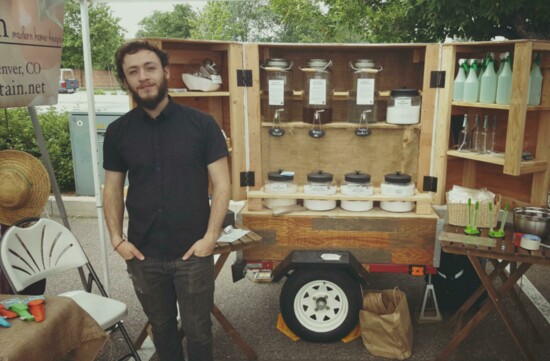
(500, 253)
(223, 250)
(68, 332)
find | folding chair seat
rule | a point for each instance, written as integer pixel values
(47, 248)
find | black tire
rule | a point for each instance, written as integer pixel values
(302, 294)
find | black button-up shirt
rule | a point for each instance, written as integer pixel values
(166, 159)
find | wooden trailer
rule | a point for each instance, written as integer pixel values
(325, 256)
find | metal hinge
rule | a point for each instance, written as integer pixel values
(430, 184)
(437, 79)
(244, 77)
(247, 179)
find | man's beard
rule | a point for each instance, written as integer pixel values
(151, 103)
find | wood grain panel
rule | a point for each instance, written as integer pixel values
(412, 256)
(279, 253)
(341, 152)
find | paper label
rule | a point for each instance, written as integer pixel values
(318, 92)
(216, 79)
(402, 102)
(276, 92)
(365, 91)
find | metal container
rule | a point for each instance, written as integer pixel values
(532, 220)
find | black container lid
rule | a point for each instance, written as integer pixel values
(319, 176)
(397, 178)
(278, 176)
(357, 177)
(404, 92)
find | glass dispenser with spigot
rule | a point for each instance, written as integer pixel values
(277, 86)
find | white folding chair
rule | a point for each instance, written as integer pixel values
(46, 248)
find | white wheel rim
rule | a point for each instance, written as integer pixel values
(309, 309)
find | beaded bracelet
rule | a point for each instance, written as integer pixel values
(119, 243)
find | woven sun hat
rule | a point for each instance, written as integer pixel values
(24, 186)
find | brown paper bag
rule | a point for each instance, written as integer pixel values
(385, 323)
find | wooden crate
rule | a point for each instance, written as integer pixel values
(372, 237)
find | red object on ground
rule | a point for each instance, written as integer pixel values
(37, 309)
(7, 313)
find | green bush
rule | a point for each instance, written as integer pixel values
(17, 132)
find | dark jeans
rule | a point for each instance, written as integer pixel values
(158, 285)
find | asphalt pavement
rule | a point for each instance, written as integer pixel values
(253, 307)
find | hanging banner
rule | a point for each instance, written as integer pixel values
(31, 35)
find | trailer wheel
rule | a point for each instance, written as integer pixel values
(320, 305)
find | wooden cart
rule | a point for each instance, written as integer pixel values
(326, 255)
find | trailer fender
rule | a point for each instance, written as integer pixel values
(320, 259)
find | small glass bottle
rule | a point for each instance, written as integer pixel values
(485, 137)
(476, 136)
(463, 137)
(493, 135)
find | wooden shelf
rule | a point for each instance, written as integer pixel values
(423, 200)
(197, 94)
(482, 105)
(342, 125)
(527, 167)
(498, 106)
(537, 108)
(375, 212)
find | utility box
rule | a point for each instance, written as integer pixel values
(81, 147)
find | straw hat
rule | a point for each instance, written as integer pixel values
(24, 186)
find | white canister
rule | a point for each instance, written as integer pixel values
(357, 184)
(280, 182)
(397, 185)
(319, 184)
(403, 107)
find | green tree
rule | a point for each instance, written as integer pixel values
(168, 24)
(106, 35)
(246, 20)
(301, 21)
(17, 132)
(482, 20)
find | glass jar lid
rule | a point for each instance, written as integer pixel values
(277, 63)
(319, 176)
(357, 177)
(404, 93)
(363, 64)
(280, 176)
(397, 178)
(318, 63)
